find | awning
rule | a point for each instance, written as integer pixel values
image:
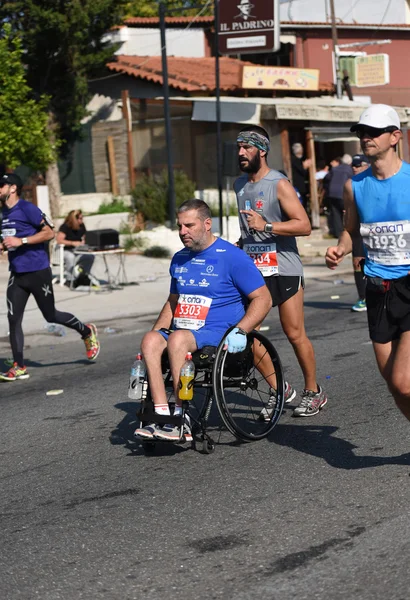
(332, 134)
(247, 113)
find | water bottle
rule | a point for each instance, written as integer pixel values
(137, 378)
(186, 379)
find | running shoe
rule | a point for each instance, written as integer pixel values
(92, 345)
(147, 431)
(169, 433)
(15, 372)
(360, 306)
(267, 412)
(9, 362)
(311, 404)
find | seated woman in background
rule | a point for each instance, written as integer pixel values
(72, 235)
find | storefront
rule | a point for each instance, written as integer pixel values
(321, 125)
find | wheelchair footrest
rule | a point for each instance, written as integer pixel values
(148, 415)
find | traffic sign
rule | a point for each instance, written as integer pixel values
(248, 26)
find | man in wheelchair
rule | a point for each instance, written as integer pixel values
(214, 285)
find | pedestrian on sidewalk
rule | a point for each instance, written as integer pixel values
(270, 216)
(378, 209)
(72, 235)
(300, 172)
(335, 182)
(24, 230)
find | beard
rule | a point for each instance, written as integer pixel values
(251, 166)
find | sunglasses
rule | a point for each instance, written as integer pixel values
(374, 132)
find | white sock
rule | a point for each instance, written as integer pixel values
(161, 409)
(177, 410)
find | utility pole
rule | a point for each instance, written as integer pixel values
(218, 118)
(335, 49)
(168, 130)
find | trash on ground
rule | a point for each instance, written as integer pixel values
(58, 330)
(110, 330)
(334, 297)
(264, 328)
(338, 282)
(54, 392)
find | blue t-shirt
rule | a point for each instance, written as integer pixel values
(23, 220)
(383, 206)
(213, 286)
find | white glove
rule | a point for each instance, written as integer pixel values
(235, 341)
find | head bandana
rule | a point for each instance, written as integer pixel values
(254, 139)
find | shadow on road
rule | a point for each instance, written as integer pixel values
(39, 365)
(326, 305)
(321, 442)
(122, 435)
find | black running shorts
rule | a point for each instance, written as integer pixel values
(282, 287)
(388, 308)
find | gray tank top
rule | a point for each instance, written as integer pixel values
(273, 254)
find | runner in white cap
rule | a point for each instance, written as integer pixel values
(378, 208)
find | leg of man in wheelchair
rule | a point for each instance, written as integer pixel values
(163, 426)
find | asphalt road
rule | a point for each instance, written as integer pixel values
(317, 511)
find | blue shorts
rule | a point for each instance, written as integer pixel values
(203, 337)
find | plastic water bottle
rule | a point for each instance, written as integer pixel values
(186, 379)
(137, 378)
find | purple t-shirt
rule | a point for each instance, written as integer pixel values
(23, 220)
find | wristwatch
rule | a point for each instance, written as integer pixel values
(24, 241)
(268, 228)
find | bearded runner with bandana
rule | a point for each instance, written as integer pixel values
(270, 216)
(24, 230)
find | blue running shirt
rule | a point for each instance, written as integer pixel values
(213, 286)
(23, 220)
(383, 206)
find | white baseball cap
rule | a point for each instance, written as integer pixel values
(378, 116)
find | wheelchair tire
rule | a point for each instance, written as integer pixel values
(241, 391)
(208, 446)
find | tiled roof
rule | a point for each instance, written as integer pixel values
(189, 74)
(146, 21)
(289, 24)
(186, 74)
(209, 20)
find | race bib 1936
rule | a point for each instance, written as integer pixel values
(387, 243)
(191, 311)
(264, 256)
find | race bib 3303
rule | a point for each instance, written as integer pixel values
(191, 311)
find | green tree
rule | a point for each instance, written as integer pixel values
(24, 134)
(64, 47)
(149, 8)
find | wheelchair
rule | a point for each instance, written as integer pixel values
(236, 383)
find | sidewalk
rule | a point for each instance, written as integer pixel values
(142, 301)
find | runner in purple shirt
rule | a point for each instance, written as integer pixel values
(24, 230)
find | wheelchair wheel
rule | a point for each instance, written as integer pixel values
(242, 388)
